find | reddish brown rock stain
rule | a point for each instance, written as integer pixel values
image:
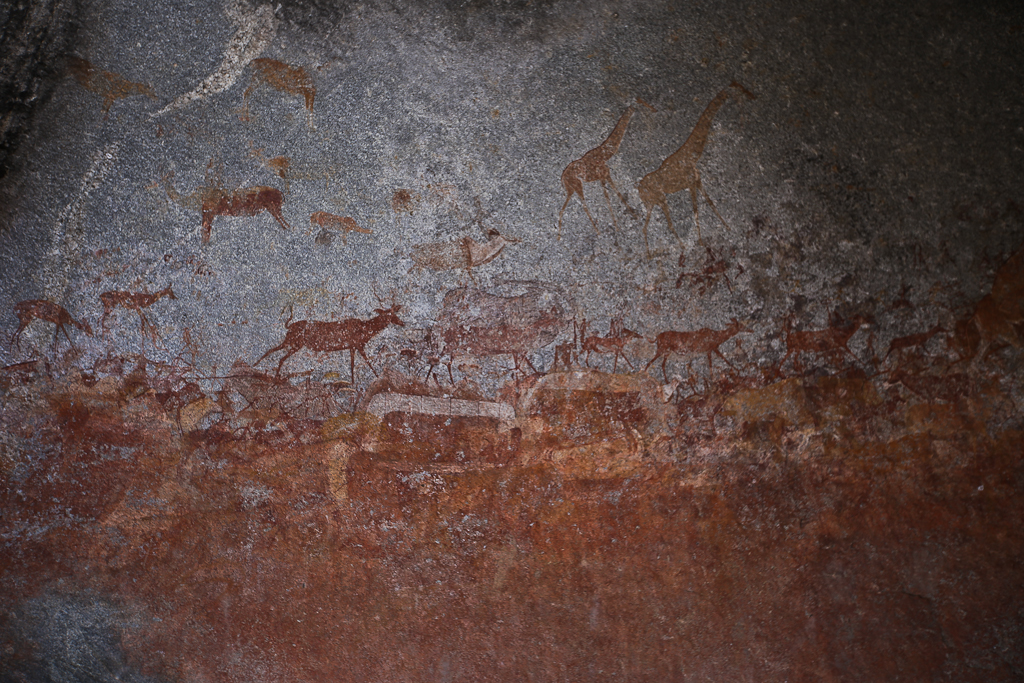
(854, 567)
(839, 527)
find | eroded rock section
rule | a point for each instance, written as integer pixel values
(576, 506)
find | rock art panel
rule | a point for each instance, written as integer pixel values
(787, 449)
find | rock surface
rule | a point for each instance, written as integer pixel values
(723, 300)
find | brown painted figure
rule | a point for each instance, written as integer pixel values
(615, 342)
(703, 341)
(216, 201)
(40, 309)
(351, 334)
(912, 341)
(476, 323)
(110, 86)
(593, 167)
(680, 172)
(715, 268)
(287, 79)
(133, 301)
(831, 341)
(328, 222)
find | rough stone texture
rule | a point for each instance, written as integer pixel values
(331, 360)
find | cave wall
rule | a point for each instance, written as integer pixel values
(511, 341)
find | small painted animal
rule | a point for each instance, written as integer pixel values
(703, 341)
(215, 201)
(832, 340)
(328, 221)
(245, 202)
(287, 79)
(912, 341)
(108, 85)
(615, 342)
(476, 324)
(41, 309)
(351, 334)
(133, 301)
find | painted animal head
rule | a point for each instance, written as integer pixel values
(390, 315)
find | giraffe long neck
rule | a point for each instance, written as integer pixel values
(699, 137)
(611, 144)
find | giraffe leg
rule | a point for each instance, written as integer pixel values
(608, 201)
(647, 245)
(568, 196)
(629, 209)
(587, 210)
(713, 207)
(573, 185)
(668, 216)
(696, 218)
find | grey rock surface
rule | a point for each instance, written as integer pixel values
(880, 161)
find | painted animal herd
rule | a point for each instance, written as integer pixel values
(474, 323)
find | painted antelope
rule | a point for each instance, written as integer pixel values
(292, 80)
(108, 85)
(998, 318)
(911, 341)
(703, 341)
(680, 172)
(832, 340)
(351, 334)
(40, 309)
(133, 301)
(328, 221)
(216, 201)
(615, 342)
